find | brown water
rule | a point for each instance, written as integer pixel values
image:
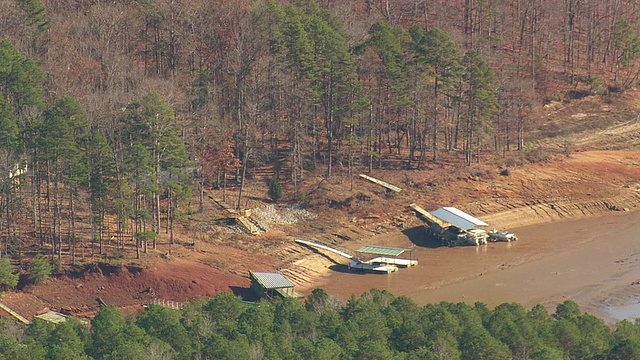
(595, 262)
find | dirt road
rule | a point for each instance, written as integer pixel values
(594, 261)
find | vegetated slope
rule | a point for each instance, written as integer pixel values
(560, 180)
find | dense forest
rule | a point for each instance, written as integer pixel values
(114, 114)
(377, 325)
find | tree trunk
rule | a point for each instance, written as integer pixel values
(73, 226)
(435, 121)
(243, 176)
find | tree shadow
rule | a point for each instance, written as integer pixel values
(246, 294)
(419, 237)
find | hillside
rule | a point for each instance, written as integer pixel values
(599, 174)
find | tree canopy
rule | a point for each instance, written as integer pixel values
(376, 325)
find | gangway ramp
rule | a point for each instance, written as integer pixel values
(429, 217)
(381, 183)
(324, 247)
(21, 318)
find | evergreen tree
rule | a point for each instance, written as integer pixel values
(21, 79)
(152, 128)
(65, 141)
(441, 55)
(481, 98)
(164, 324)
(21, 93)
(275, 190)
(102, 182)
(40, 269)
(8, 279)
(67, 341)
(107, 332)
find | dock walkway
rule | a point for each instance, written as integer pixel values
(21, 318)
(381, 183)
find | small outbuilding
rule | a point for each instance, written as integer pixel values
(268, 285)
(52, 317)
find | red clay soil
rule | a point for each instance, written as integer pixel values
(181, 277)
(548, 188)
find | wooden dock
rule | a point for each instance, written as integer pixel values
(20, 318)
(378, 265)
(381, 183)
(324, 247)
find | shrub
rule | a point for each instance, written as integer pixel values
(40, 269)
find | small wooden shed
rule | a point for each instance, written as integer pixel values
(268, 285)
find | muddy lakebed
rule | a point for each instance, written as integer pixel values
(593, 261)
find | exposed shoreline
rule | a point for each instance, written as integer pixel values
(555, 260)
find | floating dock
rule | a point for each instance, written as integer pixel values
(387, 256)
(382, 268)
(392, 261)
(380, 264)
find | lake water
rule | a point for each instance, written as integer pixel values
(593, 261)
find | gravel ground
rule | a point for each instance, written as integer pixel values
(270, 215)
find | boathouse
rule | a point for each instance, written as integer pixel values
(452, 226)
(457, 218)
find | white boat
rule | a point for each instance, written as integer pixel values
(383, 268)
(392, 261)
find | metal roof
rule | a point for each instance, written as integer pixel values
(457, 218)
(52, 316)
(381, 250)
(271, 280)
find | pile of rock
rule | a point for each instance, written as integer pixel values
(281, 215)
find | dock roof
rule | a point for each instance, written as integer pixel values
(271, 280)
(457, 218)
(381, 250)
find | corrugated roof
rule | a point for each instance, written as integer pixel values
(381, 250)
(271, 280)
(457, 218)
(52, 316)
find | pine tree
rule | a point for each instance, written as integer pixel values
(8, 279)
(102, 182)
(40, 269)
(275, 190)
(481, 98)
(152, 126)
(65, 144)
(441, 56)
